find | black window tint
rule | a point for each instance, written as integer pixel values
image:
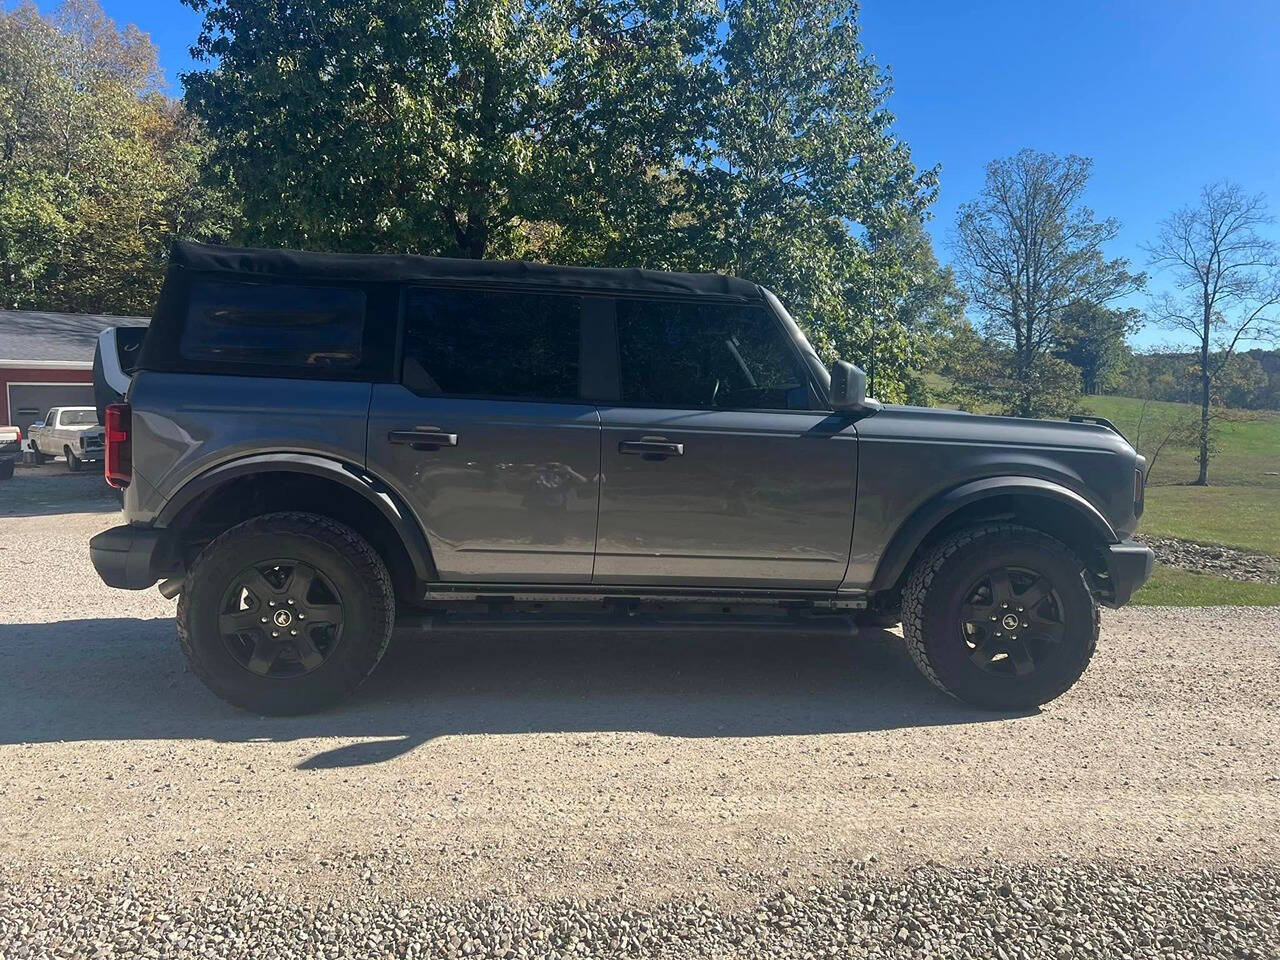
(484, 344)
(706, 355)
(274, 324)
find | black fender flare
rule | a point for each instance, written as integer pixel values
(355, 478)
(927, 517)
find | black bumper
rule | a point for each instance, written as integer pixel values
(128, 557)
(1129, 566)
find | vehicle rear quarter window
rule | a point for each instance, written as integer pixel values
(708, 355)
(479, 343)
(273, 324)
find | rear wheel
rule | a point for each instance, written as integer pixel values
(74, 463)
(286, 613)
(1000, 616)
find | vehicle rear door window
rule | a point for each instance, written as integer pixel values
(271, 324)
(481, 343)
(706, 355)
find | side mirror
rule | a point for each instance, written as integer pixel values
(849, 389)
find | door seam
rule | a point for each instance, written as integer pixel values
(595, 544)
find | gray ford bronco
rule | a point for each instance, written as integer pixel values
(316, 448)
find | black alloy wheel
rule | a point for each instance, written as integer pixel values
(1000, 616)
(286, 612)
(281, 619)
(1011, 618)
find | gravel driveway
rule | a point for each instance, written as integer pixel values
(693, 795)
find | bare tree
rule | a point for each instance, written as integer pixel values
(1028, 246)
(1226, 279)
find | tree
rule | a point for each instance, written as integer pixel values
(1027, 248)
(99, 171)
(1225, 276)
(1094, 341)
(447, 128)
(985, 372)
(802, 186)
(922, 309)
(752, 140)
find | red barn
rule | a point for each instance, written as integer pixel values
(46, 360)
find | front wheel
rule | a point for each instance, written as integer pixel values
(286, 613)
(1000, 616)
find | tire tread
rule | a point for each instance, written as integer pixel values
(357, 550)
(915, 594)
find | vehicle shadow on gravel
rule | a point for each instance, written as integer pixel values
(124, 679)
(49, 489)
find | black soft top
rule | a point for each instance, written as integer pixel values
(402, 268)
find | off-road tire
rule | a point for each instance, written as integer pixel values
(74, 463)
(932, 600)
(341, 555)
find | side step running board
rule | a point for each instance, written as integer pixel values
(479, 622)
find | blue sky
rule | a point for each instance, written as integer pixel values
(1164, 96)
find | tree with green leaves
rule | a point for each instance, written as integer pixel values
(751, 140)
(804, 187)
(447, 128)
(987, 376)
(1026, 249)
(99, 171)
(1095, 342)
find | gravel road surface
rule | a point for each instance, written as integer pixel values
(692, 795)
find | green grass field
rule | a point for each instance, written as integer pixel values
(1243, 517)
(1248, 452)
(1171, 587)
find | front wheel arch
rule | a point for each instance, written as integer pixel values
(1028, 501)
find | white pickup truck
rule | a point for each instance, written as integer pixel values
(72, 432)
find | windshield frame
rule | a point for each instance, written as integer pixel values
(821, 375)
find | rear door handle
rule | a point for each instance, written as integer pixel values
(652, 447)
(427, 438)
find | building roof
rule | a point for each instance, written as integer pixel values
(401, 268)
(37, 338)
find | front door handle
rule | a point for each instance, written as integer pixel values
(652, 447)
(425, 438)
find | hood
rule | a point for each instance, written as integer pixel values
(956, 425)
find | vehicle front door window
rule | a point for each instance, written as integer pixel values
(706, 355)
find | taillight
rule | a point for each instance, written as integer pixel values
(118, 455)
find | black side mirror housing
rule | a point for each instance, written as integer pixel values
(849, 389)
